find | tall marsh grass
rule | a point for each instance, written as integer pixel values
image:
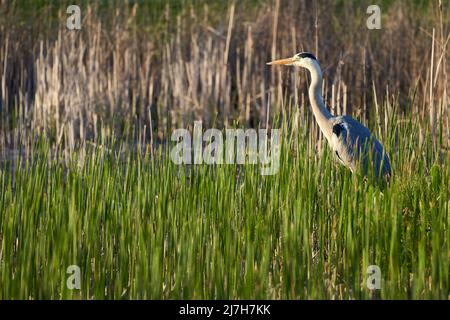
(141, 227)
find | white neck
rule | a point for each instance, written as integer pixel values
(321, 113)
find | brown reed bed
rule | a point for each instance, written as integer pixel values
(118, 74)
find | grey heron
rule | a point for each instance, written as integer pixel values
(352, 143)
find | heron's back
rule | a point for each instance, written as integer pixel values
(355, 146)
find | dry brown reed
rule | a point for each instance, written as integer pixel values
(117, 75)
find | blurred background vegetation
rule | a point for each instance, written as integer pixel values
(139, 68)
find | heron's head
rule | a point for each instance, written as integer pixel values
(302, 59)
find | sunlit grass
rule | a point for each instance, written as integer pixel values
(146, 228)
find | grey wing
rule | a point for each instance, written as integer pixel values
(351, 141)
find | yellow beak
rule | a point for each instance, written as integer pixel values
(284, 62)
